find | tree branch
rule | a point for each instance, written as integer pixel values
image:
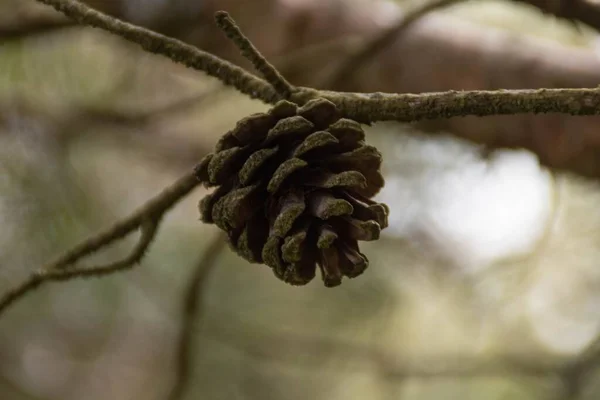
(283, 347)
(192, 304)
(173, 49)
(146, 217)
(380, 41)
(247, 49)
(366, 108)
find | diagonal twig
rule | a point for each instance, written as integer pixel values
(43, 276)
(269, 346)
(379, 42)
(247, 49)
(176, 50)
(146, 217)
(192, 303)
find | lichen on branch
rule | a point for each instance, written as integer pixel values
(361, 107)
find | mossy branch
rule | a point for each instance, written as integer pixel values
(267, 70)
(366, 108)
(147, 218)
(175, 50)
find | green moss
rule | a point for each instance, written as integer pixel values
(253, 164)
(283, 171)
(347, 131)
(363, 230)
(314, 141)
(326, 237)
(271, 255)
(286, 218)
(324, 206)
(351, 179)
(288, 128)
(222, 164)
(293, 246)
(320, 112)
(233, 210)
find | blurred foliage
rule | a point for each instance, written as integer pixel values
(521, 19)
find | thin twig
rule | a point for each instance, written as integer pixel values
(379, 42)
(148, 233)
(572, 380)
(156, 206)
(285, 347)
(192, 303)
(136, 118)
(176, 50)
(575, 375)
(43, 276)
(247, 49)
(147, 217)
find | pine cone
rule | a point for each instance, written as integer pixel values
(293, 191)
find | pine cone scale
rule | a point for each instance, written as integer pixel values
(291, 208)
(315, 141)
(254, 163)
(286, 168)
(324, 205)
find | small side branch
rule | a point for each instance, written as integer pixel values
(146, 218)
(43, 276)
(176, 50)
(365, 108)
(380, 41)
(191, 312)
(247, 49)
(148, 233)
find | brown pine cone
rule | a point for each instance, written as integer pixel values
(293, 191)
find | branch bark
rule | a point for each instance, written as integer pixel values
(146, 218)
(191, 313)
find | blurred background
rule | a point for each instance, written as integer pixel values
(486, 285)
